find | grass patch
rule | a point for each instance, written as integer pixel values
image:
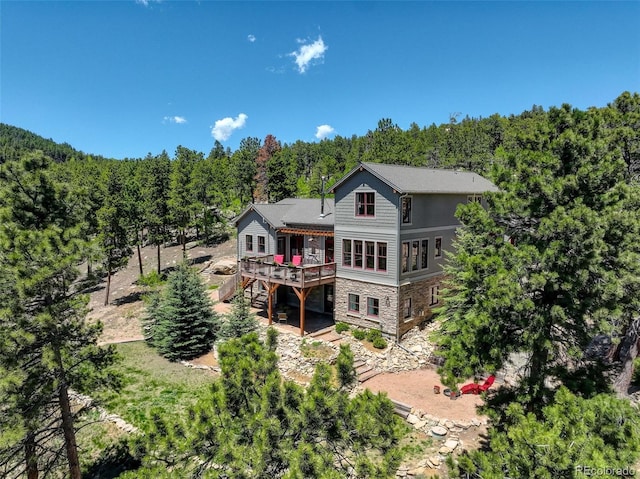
(213, 286)
(151, 279)
(150, 381)
(316, 349)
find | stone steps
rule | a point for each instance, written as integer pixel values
(368, 375)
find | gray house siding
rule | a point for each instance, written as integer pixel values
(253, 224)
(381, 228)
(428, 211)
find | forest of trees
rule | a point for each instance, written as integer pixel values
(569, 205)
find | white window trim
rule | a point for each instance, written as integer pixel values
(434, 293)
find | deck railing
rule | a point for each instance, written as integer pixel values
(263, 267)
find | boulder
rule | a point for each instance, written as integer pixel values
(225, 266)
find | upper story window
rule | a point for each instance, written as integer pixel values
(346, 252)
(357, 254)
(248, 239)
(382, 256)
(438, 248)
(406, 210)
(369, 255)
(261, 244)
(365, 204)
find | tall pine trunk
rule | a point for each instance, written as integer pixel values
(139, 255)
(106, 297)
(67, 420)
(626, 353)
(158, 258)
(30, 457)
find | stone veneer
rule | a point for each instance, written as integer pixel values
(420, 294)
(387, 320)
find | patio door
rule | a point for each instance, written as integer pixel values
(281, 247)
(296, 246)
(328, 250)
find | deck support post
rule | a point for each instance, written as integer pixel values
(302, 296)
(271, 288)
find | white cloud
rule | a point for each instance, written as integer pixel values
(307, 53)
(251, 38)
(222, 129)
(324, 131)
(147, 2)
(175, 119)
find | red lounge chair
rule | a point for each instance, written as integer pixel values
(474, 388)
(278, 259)
(296, 260)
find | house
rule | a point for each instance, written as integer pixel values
(373, 256)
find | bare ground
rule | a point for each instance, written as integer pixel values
(121, 317)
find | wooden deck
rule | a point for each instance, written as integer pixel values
(305, 276)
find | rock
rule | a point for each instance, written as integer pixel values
(475, 422)
(434, 461)
(418, 471)
(445, 450)
(462, 425)
(420, 424)
(451, 444)
(449, 424)
(439, 431)
(225, 266)
(412, 419)
(416, 349)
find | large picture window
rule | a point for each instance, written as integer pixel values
(365, 204)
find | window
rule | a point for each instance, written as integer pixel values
(434, 296)
(373, 306)
(354, 302)
(369, 254)
(346, 252)
(249, 242)
(382, 256)
(405, 256)
(365, 204)
(474, 198)
(424, 254)
(415, 246)
(406, 210)
(438, 247)
(357, 254)
(261, 244)
(407, 308)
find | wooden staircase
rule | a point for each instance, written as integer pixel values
(364, 371)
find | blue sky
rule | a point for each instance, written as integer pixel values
(124, 78)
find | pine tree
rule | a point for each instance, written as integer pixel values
(155, 192)
(47, 347)
(183, 324)
(240, 319)
(113, 235)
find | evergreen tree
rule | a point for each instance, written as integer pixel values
(183, 325)
(113, 234)
(181, 201)
(46, 347)
(558, 281)
(240, 319)
(155, 193)
(255, 424)
(575, 437)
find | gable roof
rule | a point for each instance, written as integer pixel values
(412, 179)
(294, 211)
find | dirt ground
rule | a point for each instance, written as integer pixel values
(121, 318)
(415, 388)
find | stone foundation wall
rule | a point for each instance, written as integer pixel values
(387, 320)
(420, 294)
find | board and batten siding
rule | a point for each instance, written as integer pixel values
(382, 227)
(254, 224)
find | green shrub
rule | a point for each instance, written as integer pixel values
(379, 343)
(373, 334)
(341, 327)
(359, 333)
(152, 278)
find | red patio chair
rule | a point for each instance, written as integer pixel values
(296, 260)
(488, 383)
(471, 388)
(278, 259)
